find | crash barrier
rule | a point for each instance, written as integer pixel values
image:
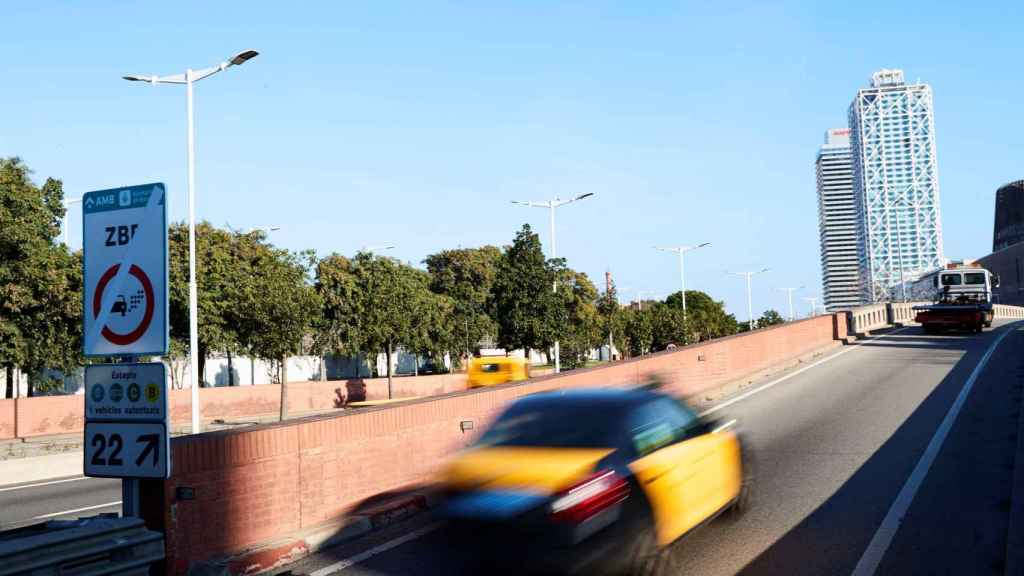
(902, 312)
(1004, 311)
(99, 545)
(234, 490)
(867, 318)
(49, 415)
(864, 319)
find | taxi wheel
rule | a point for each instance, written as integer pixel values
(645, 559)
(744, 499)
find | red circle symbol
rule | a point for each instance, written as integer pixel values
(147, 316)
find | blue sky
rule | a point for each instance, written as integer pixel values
(416, 123)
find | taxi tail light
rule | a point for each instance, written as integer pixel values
(591, 496)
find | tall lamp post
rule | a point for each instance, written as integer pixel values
(814, 303)
(750, 306)
(67, 221)
(789, 293)
(551, 205)
(189, 78)
(681, 251)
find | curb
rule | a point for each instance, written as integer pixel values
(278, 553)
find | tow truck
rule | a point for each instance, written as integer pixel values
(962, 299)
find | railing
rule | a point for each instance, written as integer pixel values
(864, 319)
(98, 545)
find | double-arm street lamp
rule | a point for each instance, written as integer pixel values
(681, 251)
(750, 306)
(789, 293)
(189, 78)
(67, 222)
(551, 205)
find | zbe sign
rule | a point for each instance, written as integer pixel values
(124, 239)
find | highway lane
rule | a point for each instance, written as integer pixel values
(834, 446)
(33, 502)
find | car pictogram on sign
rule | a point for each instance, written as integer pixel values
(120, 306)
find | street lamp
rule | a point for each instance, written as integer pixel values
(750, 307)
(376, 248)
(551, 205)
(682, 250)
(266, 229)
(189, 78)
(789, 292)
(67, 204)
(814, 303)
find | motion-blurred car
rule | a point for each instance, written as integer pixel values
(591, 481)
(493, 370)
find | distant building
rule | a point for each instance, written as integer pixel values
(837, 222)
(1009, 225)
(896, 183)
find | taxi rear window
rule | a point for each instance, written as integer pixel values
(490, 368)
(554, 426)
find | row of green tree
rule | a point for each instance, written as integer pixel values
(261, 301)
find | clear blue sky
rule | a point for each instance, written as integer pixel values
(416, 123)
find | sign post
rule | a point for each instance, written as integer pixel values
(127, 421)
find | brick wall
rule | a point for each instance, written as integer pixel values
(7, 419)
(48, 415)
(259, 483)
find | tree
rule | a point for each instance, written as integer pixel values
(638, 330)
(272, 304)
(610, 314)
(466, 276)
(527, 312)
(40, 281)
(770, 318)
(374, 303)
(705, 317)
(583, 329)
(666, 325)
(217, 273)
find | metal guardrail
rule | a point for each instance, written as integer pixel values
(85, 547)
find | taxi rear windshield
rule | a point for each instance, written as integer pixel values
(555, 426)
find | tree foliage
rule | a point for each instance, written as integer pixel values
(706, 318)
(770, 318)
(528, 313)
(583, 329)
(466, 277)
(40, 281)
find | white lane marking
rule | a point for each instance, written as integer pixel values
(880, 542)
(352, 561)
(37, 485)
(724, 426)
(86, 509)
(764, 387)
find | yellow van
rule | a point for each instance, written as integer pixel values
(491, 370)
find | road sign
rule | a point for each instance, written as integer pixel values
(126, 421)
(126, 450)
(124, 240)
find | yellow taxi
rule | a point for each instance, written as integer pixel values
(591, 481)
(492, 370)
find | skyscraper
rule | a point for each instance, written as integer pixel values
(837, 222)
(896, 184)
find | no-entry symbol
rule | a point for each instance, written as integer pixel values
(124, 235)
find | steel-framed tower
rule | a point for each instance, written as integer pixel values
(896, 184)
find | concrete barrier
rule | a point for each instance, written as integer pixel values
(257, 484)
(1004, 311)
(901, 313)
(864, 319)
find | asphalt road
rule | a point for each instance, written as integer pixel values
(836, 446)
(34, 502)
